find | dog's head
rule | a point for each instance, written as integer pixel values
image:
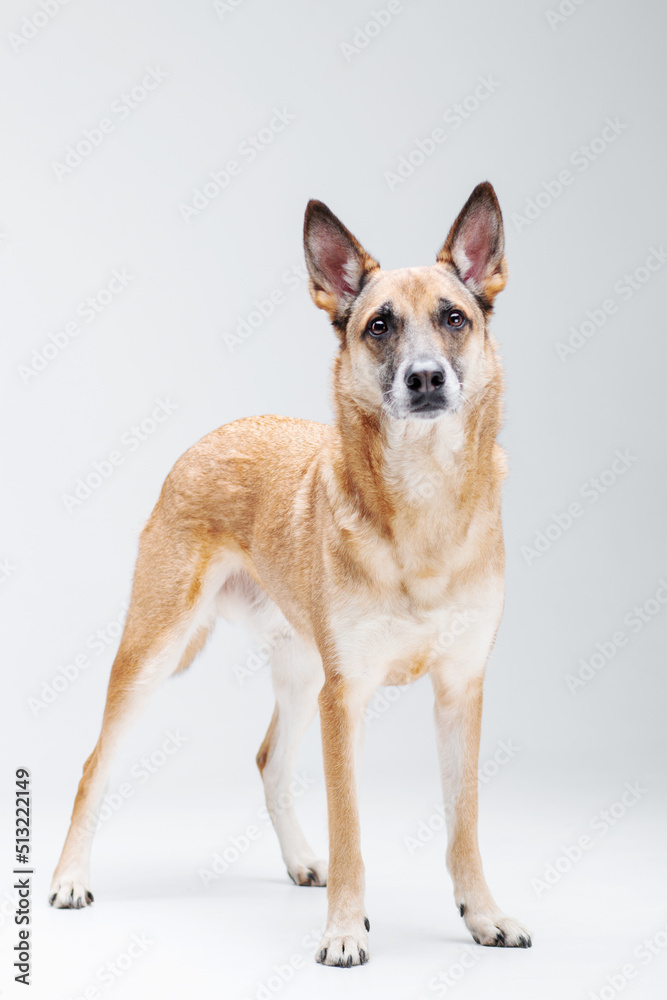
(414, 339)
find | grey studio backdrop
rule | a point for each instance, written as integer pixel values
(157, 161)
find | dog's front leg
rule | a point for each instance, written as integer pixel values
(458, 716)
(345, 940)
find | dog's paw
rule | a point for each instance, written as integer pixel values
(497, 931)
(342, 948)
(70, 894)
(311, 871)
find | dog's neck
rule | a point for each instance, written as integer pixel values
(414, 471)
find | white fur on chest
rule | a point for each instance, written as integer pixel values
(397, 645)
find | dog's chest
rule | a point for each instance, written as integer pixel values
(396, 643)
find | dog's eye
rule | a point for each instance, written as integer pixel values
(377, 327)
(456, 319)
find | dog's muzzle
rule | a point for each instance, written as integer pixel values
(426, 389)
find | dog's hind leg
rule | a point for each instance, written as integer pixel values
(297, 679)
(170, 614)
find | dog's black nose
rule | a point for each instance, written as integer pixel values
(421, 380)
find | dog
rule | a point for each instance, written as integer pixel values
(374, 544)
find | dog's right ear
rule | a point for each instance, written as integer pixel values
(337, 264)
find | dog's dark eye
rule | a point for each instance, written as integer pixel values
(456, 319)
(377, 327)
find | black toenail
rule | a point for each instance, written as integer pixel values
(90, 897)
(462, 908)
(323, 954)
(367, 923)
(362, 956)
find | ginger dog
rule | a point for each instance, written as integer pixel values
(366, 541)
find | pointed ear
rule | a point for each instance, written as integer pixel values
(475, 247)
(337, 264)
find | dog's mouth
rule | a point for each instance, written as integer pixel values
(427, 408)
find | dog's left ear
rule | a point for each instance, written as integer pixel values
(336, 261)
(475, 247)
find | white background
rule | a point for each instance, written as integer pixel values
(165, 336)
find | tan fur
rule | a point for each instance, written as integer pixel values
(264, 752)
(329, 525)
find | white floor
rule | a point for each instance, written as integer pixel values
(251, 934)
